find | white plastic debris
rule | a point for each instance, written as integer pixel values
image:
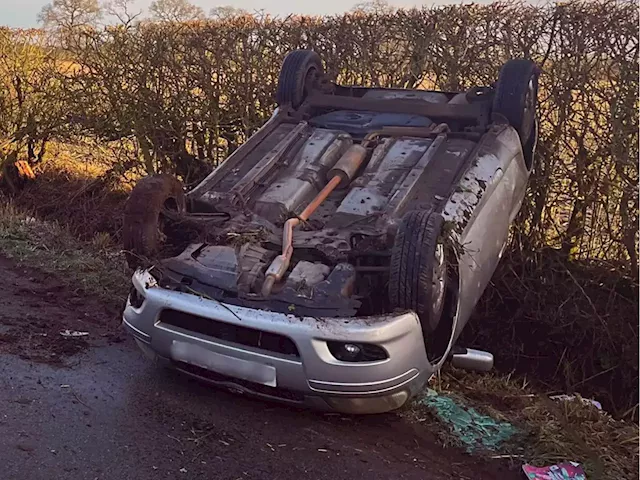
(569, 398)
(73, 333)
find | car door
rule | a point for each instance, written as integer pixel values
(482, 207)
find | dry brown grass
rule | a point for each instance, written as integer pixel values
(571, 326)
(75, 189)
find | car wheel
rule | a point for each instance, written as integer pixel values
(152, 201)
(516, 96)
(300, 72)
(418, 279)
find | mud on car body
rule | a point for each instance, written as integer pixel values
(334, 258)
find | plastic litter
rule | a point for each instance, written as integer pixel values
(561, 471)
(471, 427)
(568, 398)
(73, 334)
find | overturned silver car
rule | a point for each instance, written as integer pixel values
(334, 258)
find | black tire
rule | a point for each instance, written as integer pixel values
(151, 200)
(301, 70)
(516, 95)
(413, 260)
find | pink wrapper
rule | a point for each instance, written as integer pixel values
(562, 471)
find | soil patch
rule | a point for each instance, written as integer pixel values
(38, 316)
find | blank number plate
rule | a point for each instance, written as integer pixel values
(223, 364)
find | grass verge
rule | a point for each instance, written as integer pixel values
(551, 431)
(95, 267)
(567, 326)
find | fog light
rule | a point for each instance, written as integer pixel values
(351, 349)
(357, 352)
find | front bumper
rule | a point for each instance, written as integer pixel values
(312, 377)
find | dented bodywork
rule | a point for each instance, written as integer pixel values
(479, 212)
(469, 180)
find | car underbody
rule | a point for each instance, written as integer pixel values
(341, 255)
(358, 206)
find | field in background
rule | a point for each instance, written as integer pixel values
(97, 109)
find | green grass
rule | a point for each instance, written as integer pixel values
(95, 268)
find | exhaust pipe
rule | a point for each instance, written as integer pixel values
(339, 177)
(471, 359)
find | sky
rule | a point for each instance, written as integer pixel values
(23, 13)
